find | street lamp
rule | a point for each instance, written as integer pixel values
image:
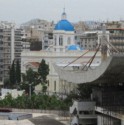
(30, 90)
(30, 86)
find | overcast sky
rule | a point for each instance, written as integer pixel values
(21, 11)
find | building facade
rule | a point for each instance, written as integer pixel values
(10, 48)
(61, 51)
(117, 39)
(90, 39)
(39, 30)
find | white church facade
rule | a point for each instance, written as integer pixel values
(62, 51)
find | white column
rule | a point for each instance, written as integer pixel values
(99, 120)
(122, 122)
(12, 44)
(57, 41)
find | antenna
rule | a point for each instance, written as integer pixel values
(64, 9)
(63, 14)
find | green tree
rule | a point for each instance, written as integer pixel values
(84, 91)
(29, 78)
(43, 70)
(18, 72)
(12, 76)
(39, 101)
(8, 100)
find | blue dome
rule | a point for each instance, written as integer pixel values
(74, 47)
(64, 25)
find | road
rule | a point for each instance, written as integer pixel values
(45, 120)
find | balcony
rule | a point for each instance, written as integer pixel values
(7, 52)
(109, 113)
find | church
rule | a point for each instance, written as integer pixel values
(62, 51)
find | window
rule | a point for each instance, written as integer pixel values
(69, 40)
(46, 41)
(61, 41)
(111, 31)
(9, 38)
(61, 49)
(54, 85)
(9, 44)
(1, 78)
(55, 40)
(48, 82)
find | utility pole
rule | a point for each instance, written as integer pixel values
(30, 90)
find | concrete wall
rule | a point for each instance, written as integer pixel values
(84, 106)
(122, 122)
(14, 116)
(104, 120)
(14, 92)
(57, 112)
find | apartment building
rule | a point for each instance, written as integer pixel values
(90, 39)
(38, 30)
(47, 40)
(117, 39)
(10, 48)
(87, 40)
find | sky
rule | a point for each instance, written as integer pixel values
(21, 11)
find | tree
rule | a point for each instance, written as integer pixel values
(43, 70)
(29, 78)
(84, 91)
(12, 75)
(18, 72)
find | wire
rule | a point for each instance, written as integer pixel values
(94, 55)
(92, 58)
(112, 46)
(77, 58)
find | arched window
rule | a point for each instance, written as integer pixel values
(55, 40)
(69, 40)
(61, 41)
(54, 85)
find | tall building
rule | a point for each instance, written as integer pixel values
(47, 39)
(89, 39)
(116, 30)
(117, 39)
(10, 48)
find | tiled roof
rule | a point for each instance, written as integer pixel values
(35, 64)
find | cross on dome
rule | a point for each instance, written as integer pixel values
(64, 24)
(64, 16)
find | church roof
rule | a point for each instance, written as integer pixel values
(64, 25)
(74, 47)
(33, 64)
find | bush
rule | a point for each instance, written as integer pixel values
(40, 101)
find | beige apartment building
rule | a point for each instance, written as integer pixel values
(10, 48)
